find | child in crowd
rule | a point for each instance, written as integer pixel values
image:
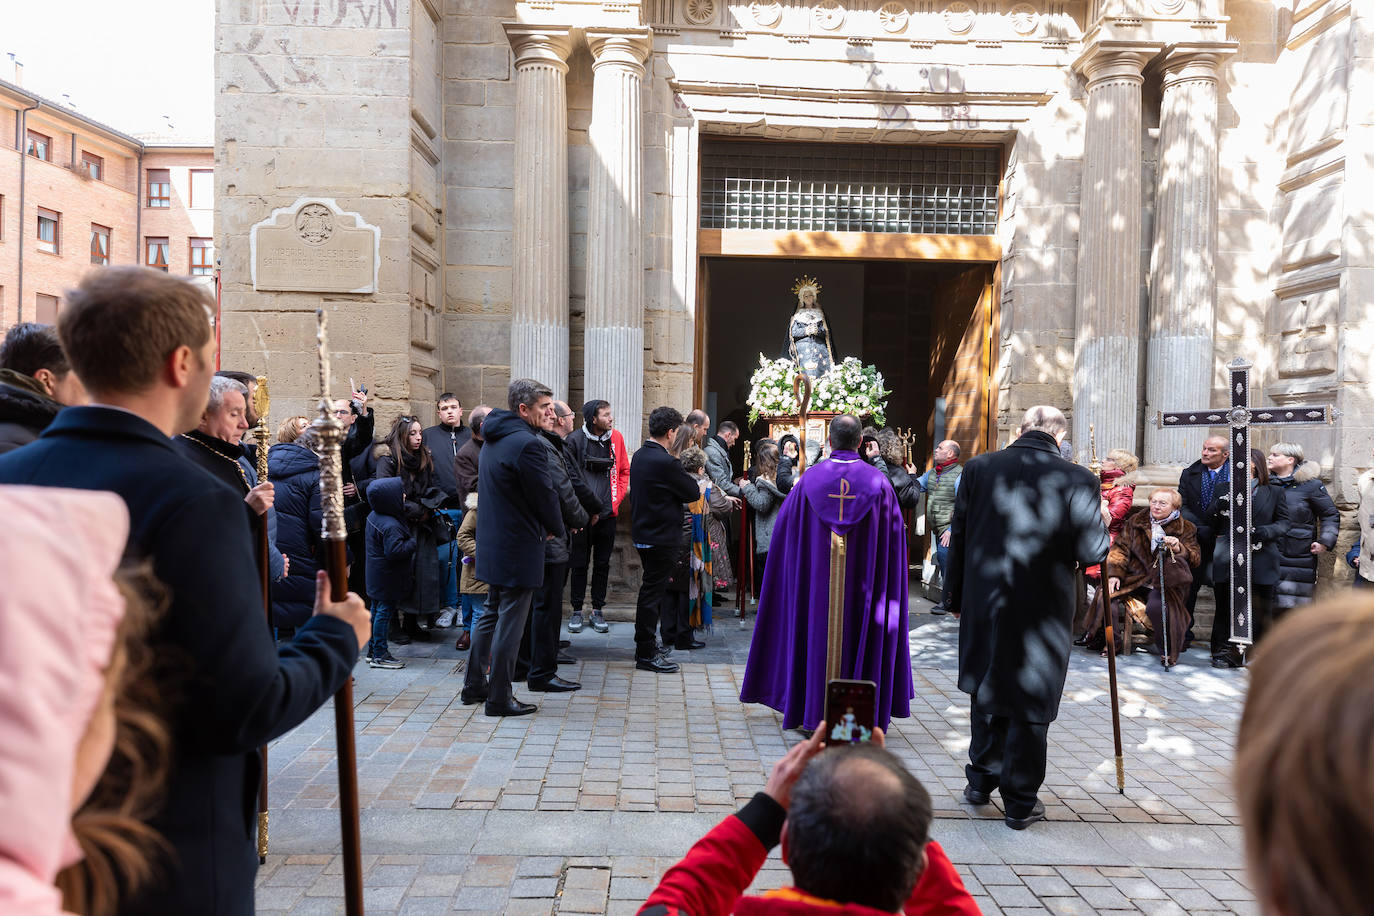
(473, 591)
(390, 563)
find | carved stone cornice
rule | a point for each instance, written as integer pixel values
(539, 44)
(627, 48)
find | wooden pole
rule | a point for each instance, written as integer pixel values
(1107, 618)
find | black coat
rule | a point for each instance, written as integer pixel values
(575, 511)
(1268, 523)
(519, 506)
(239, 690)
(444, 443)
(1190, 488)
(1024, 518)
(1312, 517)
(24, 413)
(390, 545)
(658, 488)
(295, 473)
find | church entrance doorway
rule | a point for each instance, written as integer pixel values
(926, 325)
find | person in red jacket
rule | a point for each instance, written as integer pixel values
(871, 855)
(1118, 476)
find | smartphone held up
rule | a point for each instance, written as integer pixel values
(850, 711)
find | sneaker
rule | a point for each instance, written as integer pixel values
(575, 622)
(445, 618)
(386, 661)
(599, 623)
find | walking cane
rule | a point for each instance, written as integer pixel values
(1108, 618)
(334, 535)
(261, 404)
(1163, 606)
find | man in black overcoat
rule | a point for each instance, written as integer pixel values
(141, 342)
(1024, 518)
(519, 512)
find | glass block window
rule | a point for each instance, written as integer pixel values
(849, 187)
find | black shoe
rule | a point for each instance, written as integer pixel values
(472, 697)
(512, 707)
(1021, 823)
(554, 684)
(690, 644)
(663, 650)
(566, 659)
(564, 643)
(1082, 640)
(399, 639)
(975, 796)
(1226, 661)
(659, 664)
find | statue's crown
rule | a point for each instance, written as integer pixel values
(805, 283)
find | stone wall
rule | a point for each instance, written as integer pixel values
(336, 102)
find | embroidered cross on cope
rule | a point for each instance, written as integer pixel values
(842, 496)
(1240, 417)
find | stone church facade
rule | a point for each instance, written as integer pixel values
(1182, 183)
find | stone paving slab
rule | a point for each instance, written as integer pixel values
(610, 785)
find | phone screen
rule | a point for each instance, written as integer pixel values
(850, 711)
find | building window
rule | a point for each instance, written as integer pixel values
(202, 257)
(46, 309)
(40, 146)
(100, 244)
(202, 189)
(159, 187)
(93, 165)
(49, 231)
(156, 252)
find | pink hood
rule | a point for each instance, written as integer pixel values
(59, 613)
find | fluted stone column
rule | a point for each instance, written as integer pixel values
(539, 261)
(1106, 356)
(1183, 291)
(614, 343)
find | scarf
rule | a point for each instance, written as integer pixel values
(1157, 529)
(941, 468)
(700, 586)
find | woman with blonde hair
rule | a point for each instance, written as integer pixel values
(1118, 480)
(1304, 755)
(1151, 561)
(290, 429)
(83, 756)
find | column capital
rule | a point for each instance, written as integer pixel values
(539, 44)
(623, 47)
(1194, 62)
(1115, 61)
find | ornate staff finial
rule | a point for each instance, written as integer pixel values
(262, 403)
(330, 433)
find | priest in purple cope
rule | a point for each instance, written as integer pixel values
(840, 529)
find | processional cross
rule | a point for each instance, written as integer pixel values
(1240, 416)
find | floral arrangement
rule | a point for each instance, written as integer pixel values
(849, 387)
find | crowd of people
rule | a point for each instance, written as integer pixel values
(131, 493)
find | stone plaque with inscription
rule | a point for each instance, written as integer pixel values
(313, 246)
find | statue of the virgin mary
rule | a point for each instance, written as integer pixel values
(808, 334)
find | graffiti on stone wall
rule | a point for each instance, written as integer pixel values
(365, 13)
(296, 73)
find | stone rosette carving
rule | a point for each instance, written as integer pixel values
(1168, 7)
(828, 15)
(958, 17)
(766, 14)
(893, 16)
(1023, 18)
(699, 12)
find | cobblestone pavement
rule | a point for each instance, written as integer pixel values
(580, 807)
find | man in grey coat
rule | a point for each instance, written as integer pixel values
(1024, 518)
(718, 466)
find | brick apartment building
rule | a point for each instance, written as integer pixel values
(76, 193)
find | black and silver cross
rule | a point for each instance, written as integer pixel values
(1240, 416)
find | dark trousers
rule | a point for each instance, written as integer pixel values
(1261, 606)
(759, 560)
(539, 649)
(595, 544)
(1007, 754)
(657, 563)
(497, 633)
(673, 619)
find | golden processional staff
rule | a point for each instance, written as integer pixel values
(261, 404)
(333, 534)
(1107, 620)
